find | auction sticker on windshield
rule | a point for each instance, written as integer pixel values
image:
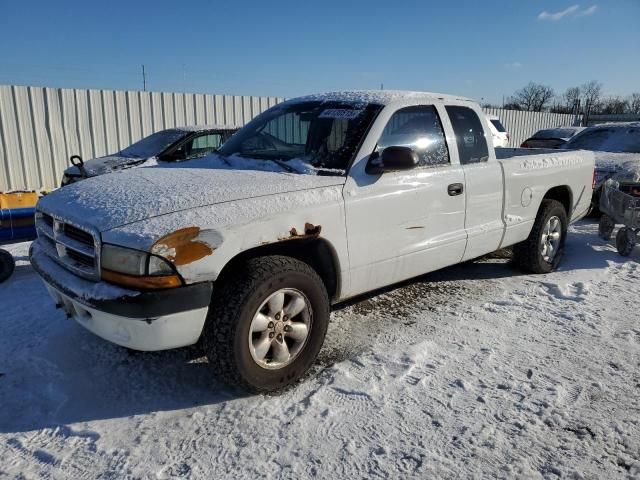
(340, 113)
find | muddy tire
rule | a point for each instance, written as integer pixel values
(266, 324)
(7, 265)
(542, 250)
(606, 227)
(625, 241)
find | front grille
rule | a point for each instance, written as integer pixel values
(77, 234)
(81, 258)
(48, 219)
(72, 246)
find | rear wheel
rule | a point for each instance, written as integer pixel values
(7, 265)
(542, 250)
(605, 227)
(625, 241)
(267, 323)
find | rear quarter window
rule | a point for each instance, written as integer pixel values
(472, 144)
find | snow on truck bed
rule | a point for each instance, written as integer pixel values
(474, 371)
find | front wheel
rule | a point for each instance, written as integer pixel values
(542, 250)
(267, 323)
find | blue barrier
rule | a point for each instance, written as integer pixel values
(17, 225)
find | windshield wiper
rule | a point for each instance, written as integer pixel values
(284, 165)
(281, 163)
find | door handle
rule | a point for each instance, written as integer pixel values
(455, 189)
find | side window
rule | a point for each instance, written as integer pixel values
(419, 128)
(472, 145)
(202, 145)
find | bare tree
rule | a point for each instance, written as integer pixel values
(533, 97)
(592, 91)
(634, 103)
(571, 98)
(613, 105)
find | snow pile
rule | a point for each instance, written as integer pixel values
(475, 371)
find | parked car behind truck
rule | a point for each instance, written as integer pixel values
(317, 200)
(613, 145)
(171, 145)
(551, 137)
(498, 132)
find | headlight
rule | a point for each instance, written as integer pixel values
(134, 268)
(124, 260)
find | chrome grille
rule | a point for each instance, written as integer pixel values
(74, 247)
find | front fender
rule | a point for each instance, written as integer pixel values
(218, 233)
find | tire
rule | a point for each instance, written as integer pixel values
(7, 265)
(606, 227)
(229, 338)
(625, 241)
(529, 254)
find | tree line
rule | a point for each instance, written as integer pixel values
(587, 99)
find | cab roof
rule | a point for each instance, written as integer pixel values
(380, 97)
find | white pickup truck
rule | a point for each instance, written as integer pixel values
(317, 200)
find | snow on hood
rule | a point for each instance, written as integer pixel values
(110, 201)
(108, 164)
(611, 161)
(628, 172)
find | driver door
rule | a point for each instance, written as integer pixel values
(401, 224)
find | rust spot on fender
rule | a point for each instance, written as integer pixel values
(182, 246)
(310, 230)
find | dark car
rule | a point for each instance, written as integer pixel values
(171, 145)
(551, 137)
(613, 144)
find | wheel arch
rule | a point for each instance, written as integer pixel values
(317, 252)
(562, 194)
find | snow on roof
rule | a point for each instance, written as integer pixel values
(382, 97)
(213, 126)
(617, 124)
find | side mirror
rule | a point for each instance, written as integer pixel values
(393, 159)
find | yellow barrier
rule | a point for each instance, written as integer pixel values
(18, 200)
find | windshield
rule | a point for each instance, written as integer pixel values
(555, 133)
(154, 144)
(607, 139)
(306, 137)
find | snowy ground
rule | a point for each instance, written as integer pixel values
(474, 371)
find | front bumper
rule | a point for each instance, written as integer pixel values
(152, 320)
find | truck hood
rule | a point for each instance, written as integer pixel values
(110, 201)
(102, 165)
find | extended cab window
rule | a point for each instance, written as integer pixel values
(472, 145)
(419, 128)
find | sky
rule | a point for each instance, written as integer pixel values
(481, 49)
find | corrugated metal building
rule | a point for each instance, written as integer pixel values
(40, 128)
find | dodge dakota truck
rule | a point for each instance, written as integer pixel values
(318, 199)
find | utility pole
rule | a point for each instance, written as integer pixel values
(144, 80)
